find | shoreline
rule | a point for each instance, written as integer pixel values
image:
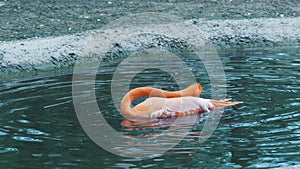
(53, 53)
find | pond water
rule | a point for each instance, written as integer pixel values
(39, 127)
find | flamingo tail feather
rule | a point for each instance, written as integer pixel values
(218, 104)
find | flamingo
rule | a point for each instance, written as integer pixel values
(166, 104)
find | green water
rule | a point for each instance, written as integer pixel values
(39, 127)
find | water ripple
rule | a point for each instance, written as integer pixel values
(38, 124)
(27, 139)
(7, 150)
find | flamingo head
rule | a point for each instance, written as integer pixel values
(193, 90)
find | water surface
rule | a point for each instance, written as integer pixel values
(39, 127)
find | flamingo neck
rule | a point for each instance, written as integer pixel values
(193, 90)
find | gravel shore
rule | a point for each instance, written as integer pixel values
(56, 52)
(44, 18)
(52, 34)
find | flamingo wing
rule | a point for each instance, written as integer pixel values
(181, 106)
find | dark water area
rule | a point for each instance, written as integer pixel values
(39, 127)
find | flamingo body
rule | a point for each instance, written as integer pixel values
(174, 107)
(165, 104)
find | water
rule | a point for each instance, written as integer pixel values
(39, 127)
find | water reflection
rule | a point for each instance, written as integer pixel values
(135, 130)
